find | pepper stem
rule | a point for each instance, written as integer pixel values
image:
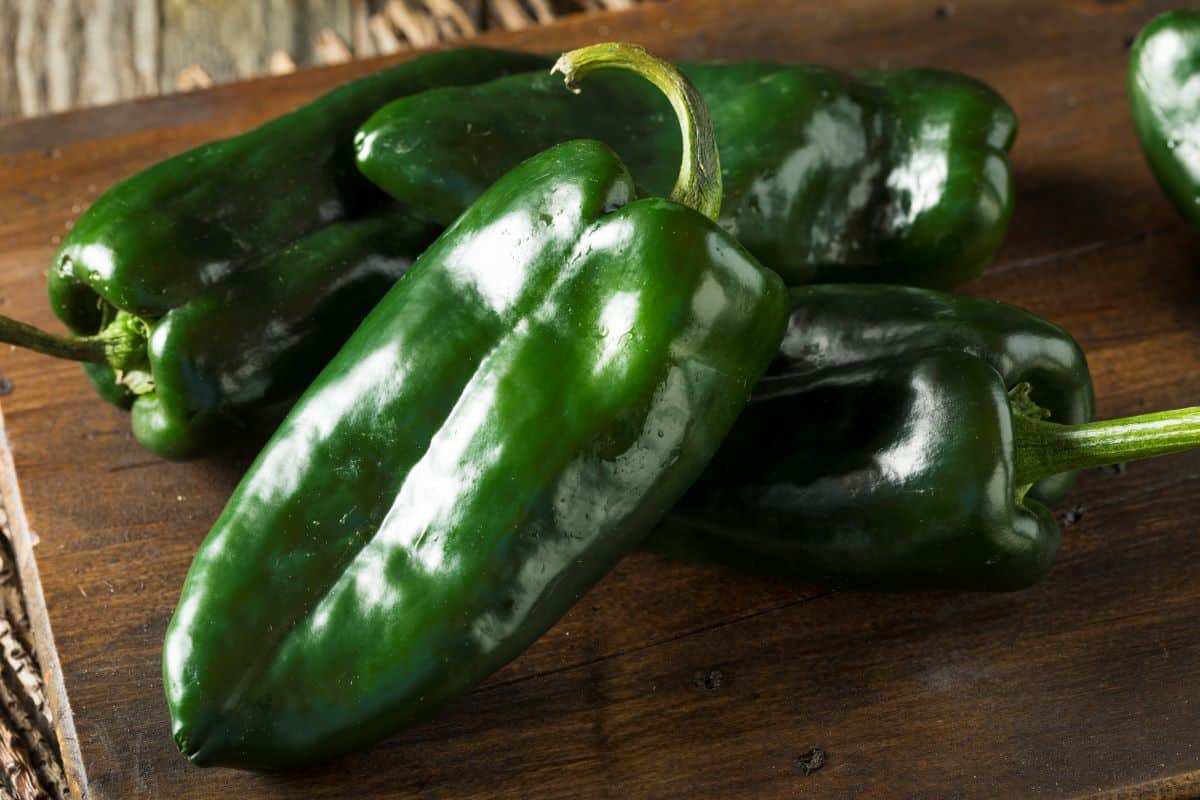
(1042, 449)
(121, 343)
(91, 349)
(699, 183)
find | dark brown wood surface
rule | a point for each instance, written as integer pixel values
(671, 681)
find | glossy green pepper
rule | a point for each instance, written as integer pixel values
(263, 226)
(1164, 71)
(432, 504)
(262, 335)
(891, 176)
(187, 379)
(899, 441)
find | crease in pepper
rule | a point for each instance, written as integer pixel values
(430, 506)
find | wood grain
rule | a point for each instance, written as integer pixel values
(36, 708)
(236, 39)
(667, 680)
(65, 53)
(61, 54)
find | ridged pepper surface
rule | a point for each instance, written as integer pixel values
(898, 176)
(889, 176)
(433, 503)
(907, 439)
(275, 227)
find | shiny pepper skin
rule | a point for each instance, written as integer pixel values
(888, 176)
(877, 452)
(433, 503)
(1164, 65)
(273, 230)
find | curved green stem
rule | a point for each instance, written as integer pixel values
(699, 183)
(92, 349)
(121, 344)
(1042, 449)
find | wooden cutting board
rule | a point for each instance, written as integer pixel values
(670, 681)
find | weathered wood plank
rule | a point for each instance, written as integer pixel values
(61, 54)
(9, 102)
(234, 39)
(37, 720)
(669, 680)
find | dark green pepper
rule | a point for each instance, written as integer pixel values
(264, 226)
(892, 176)
(216, 361)
(262, 335)
(898, 442)
(1164, 66)
(146, 244)
(432, 504)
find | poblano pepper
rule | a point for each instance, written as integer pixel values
(1164, 71)
(908, 439)
(219, 360)
(243, 225)
(432, 504)
(890, 176)
(145, 245)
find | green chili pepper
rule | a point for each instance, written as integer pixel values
(433, 503)
(240, 225)
(263, 334)
(900, 441)
(1163, 69)
(897, 177)
(123, 274)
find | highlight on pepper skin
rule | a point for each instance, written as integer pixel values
(510, 334)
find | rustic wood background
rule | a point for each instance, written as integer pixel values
(62, 54)
(671, 681)
(31, 763)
